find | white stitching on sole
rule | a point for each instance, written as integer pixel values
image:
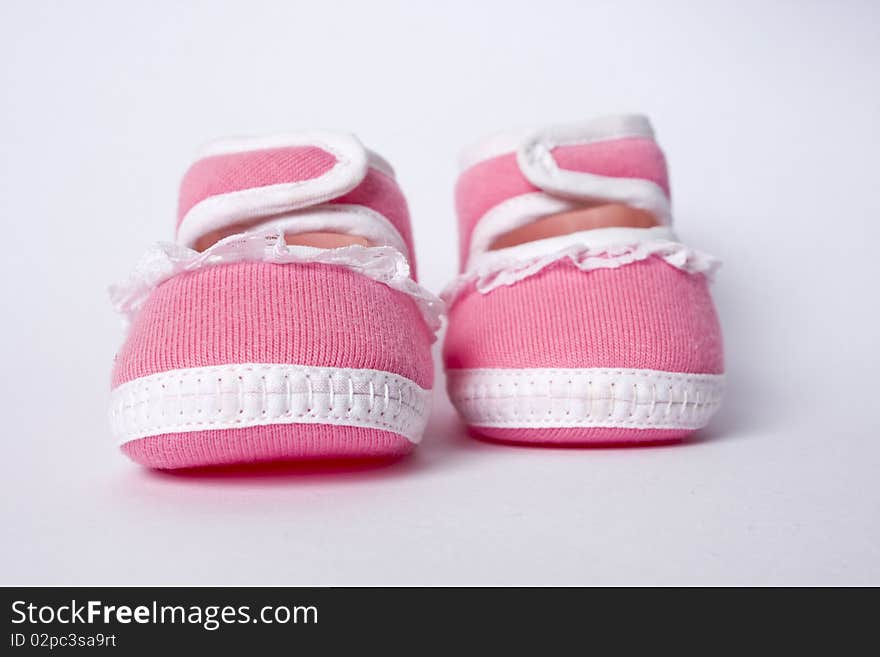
(255, 394)
(594, 397)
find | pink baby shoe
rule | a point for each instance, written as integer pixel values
(244, 345)
(597, 336)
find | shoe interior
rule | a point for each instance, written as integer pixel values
(607, 215)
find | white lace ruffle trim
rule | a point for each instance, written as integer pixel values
(495, 269)
(165, 260)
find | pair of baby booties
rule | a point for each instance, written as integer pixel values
(241, 348)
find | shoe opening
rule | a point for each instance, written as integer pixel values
(606, 215)
(319, 239)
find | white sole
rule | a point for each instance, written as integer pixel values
(256, 394)
(593, 397)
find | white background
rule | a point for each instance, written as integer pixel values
(769, 115)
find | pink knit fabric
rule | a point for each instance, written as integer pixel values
(580, 437)
(493, 181)
(647, 315)
(259, 312)
(224, 174)
(255, 312)
(380, 192)
(233, 172)
(279, 442)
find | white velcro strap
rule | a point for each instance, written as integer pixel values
(257, 394)
(214, 212)
(539, 166)
(560, 189)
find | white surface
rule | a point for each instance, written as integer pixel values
(769, 115)
(550, 135)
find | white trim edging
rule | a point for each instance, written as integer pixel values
(383, 264)
(591, 397)
(257, 394)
